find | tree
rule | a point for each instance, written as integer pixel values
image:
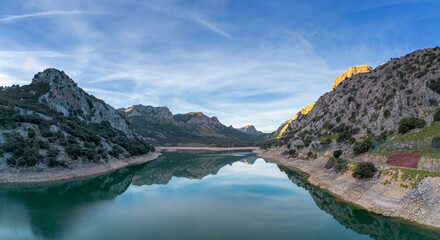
(364, 170)
(363, 147)
(337, 153)
(408, 124)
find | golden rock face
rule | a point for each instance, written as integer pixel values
(303, 111)
(351, 72)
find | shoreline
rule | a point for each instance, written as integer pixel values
(418, 206)
(216, 149)
(59, 175)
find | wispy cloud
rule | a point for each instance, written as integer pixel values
(189, 16)
(22, 17)
(209, 26)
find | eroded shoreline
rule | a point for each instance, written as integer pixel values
(418, 205)
(217, 149)
(57, 175)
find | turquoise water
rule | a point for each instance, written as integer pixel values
(231, 195)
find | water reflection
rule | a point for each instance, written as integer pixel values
(51, 210)
(166, 199)
(361, 221)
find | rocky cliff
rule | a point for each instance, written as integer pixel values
(351, 72)
(347, 74)
(371, 104)
(54, 123)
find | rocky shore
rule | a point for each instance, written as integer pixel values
(418, 205)
(60, 174)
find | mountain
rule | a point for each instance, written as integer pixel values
(349, 73)
(161, 127)
(250, 129)
(52, 122)
(392, 98)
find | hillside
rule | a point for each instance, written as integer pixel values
(348, 73)
(161, 127)
(391, 99)
(52, 122)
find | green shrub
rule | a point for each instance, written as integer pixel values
(364, 170)
(340, 165)
(31, 133)
(363, 147)
(330, 163)
(434, 85)
(437, 115)
(435, 143)
(407, 124)
(337, 153)
(386, 113)
(74, 151)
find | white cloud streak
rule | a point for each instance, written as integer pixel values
(22, 17)
(192, 17)
(210, 26)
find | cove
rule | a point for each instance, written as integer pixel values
(193, 195)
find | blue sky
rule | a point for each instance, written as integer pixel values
(246, 62)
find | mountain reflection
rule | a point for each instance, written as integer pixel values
(50, 211)
(361, 221)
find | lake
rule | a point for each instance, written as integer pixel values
(199, 195)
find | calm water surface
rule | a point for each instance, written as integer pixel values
(231, 195)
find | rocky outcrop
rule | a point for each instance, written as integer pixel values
(351, 72)
(279, 132)
(250, 129)
(66, 97)
(52, 123)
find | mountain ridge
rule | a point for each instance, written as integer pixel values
(161, 127)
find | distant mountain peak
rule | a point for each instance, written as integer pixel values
(150, 112)
(197, 118)
(250, 129)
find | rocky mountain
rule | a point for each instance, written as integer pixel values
(250, 129)
(161, 127)
(403, 92)
(52, 122)
(349, 73)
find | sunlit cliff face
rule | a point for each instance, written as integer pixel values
(349, 73)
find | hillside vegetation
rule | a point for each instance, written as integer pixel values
(52, 122)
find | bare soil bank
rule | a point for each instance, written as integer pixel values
(173, 149)
(420, 205)
(52, 175)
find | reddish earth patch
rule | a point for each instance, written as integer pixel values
(404, 159)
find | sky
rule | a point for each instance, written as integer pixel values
(246, 62)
